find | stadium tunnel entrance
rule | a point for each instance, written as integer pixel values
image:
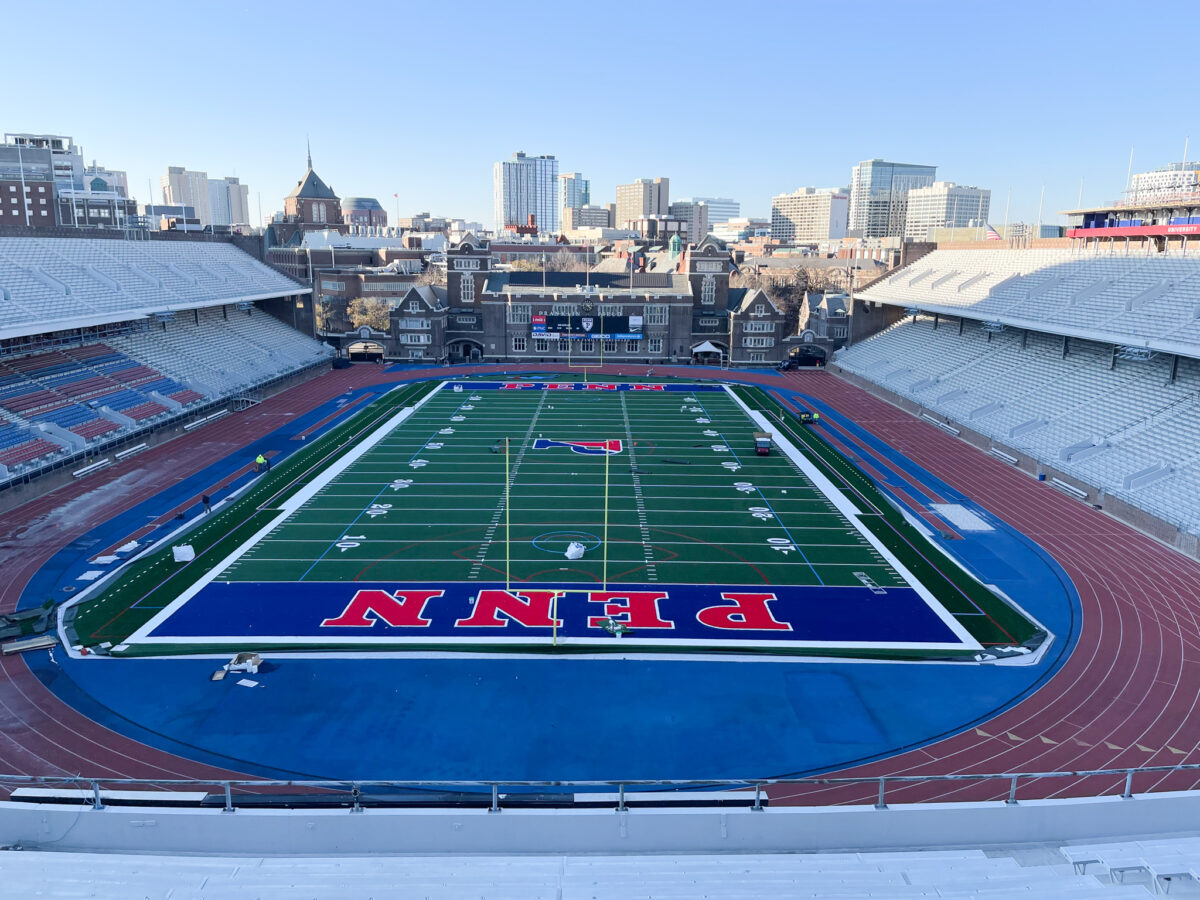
(364, 351)
(462, 351)
(807, 357)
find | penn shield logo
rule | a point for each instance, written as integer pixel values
(589, 448)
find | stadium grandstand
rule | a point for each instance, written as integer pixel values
(1084, 359)
(102, 341)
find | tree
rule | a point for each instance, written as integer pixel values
(372, 311)
(324, 313)
(432, 275)
(564, 261)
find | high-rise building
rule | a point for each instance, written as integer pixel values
(810, 215)
(720, 209)
(645, 197)
(696, 217)
(574, 191)
(525, 186)
(229, 202)
(184, 187)
(879, 195)
(944, 204)
(217, 201)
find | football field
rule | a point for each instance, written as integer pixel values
(540, 516)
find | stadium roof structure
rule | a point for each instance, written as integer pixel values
(58, 284)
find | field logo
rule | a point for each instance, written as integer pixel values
(591, 448)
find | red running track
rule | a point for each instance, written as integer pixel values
(1125, 698)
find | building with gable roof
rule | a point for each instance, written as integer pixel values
(311, 206)
(642, 306)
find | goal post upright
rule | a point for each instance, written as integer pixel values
(507, 519)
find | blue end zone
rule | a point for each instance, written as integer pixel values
(464, 615)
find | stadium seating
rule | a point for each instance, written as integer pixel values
(97, 391)
(226, 350)
(1120, 425)
(51, 283)
(1123, 298)
(958, 873)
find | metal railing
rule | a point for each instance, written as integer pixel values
(562, 795)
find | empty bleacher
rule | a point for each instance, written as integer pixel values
(995, 361)
(100, 391)
(190, 337)
(1122, 298)
(52, 283)
(1123, 426)
(225, 350)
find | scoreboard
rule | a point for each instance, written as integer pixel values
(583, 328)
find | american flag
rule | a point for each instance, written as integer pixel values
(993, 234)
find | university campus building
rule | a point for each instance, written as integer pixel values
(685, 313)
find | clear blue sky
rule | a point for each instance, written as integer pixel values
(732, 100)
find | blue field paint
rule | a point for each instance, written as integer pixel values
(794, 617)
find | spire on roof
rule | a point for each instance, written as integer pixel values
(309, 143)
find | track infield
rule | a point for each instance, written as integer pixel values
(414, 539)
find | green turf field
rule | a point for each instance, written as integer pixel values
(483, 486)
(682, 503)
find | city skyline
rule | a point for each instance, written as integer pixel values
(1005, 127)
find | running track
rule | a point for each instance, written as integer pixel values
(1125, 698)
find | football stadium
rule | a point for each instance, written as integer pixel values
(852, 627)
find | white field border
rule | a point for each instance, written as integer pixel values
(289, 506)
(852, 513)
(651, 644)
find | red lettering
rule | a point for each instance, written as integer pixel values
(600, 387)
(748, 612)
(528, 608)
(640, 609)
(404, 610)
(566, 386)
(647, 387)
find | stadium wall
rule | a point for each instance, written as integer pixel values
(1133, 516)
(77, 826)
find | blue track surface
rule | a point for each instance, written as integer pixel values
(561, 718)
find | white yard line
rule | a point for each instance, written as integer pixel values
(851, 512)
(288, 507)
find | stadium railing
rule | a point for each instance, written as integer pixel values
(357, 794)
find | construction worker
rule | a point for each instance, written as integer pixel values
(207, 501)
(259, 462)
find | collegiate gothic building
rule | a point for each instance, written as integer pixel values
(686, 314)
